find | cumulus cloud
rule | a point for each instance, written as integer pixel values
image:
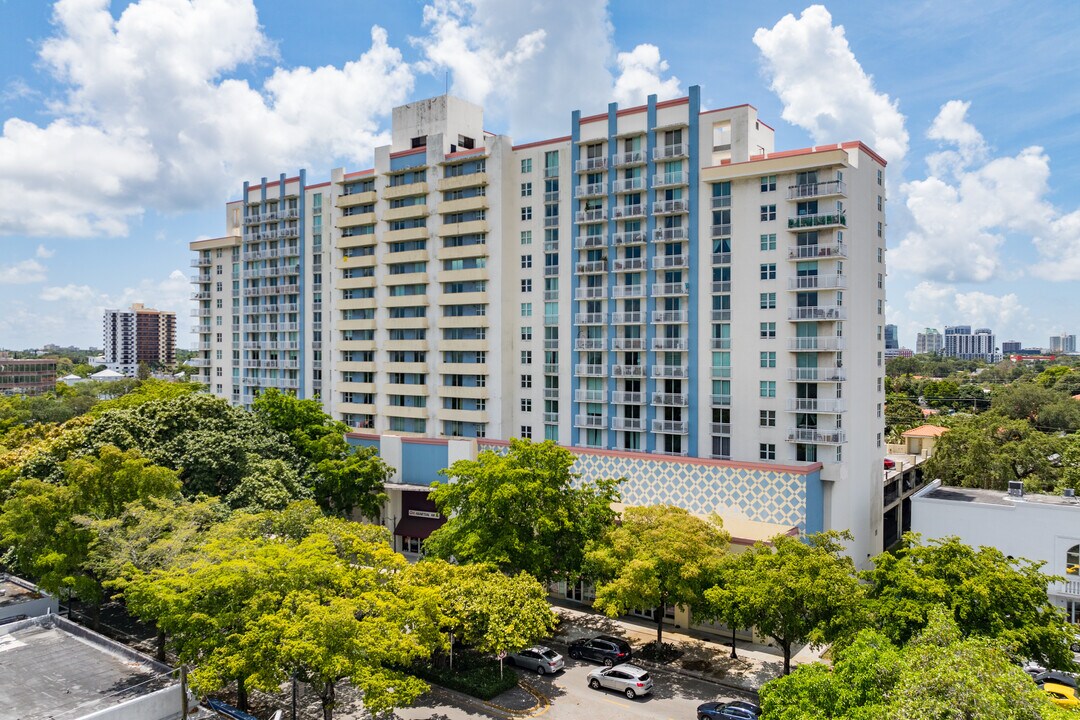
(969, 206)
(532, 63)
(936, 304)
(153, 115)
(823, 87)
(22, 273)
(44, 252)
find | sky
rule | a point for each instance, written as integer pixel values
(126, 126)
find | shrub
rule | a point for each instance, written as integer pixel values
(472, 674)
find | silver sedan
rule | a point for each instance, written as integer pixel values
(538, 659)
(630, 680)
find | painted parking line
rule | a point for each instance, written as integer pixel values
(615, 702)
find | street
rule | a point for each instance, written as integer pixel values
(674, 697)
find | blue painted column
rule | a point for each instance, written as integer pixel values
(613, 129)
(304, 267)
(695, 329)
(648, 276)
(575, 229)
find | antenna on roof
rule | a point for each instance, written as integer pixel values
(446, 82)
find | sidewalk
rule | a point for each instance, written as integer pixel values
(705, 657)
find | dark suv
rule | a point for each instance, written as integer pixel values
(602, 648)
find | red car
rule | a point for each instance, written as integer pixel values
(889, 464)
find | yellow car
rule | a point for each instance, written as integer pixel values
(1061, 695)
(1072, 569)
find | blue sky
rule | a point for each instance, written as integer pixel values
(127, 125)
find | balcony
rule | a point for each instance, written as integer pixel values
(625, 212)
(825, 313)
(817, 374)
(660, 344)
(671, 399)
(818, 282)
(628, 424)
(629, 158)
(1069, 587)
(628, 371)
(551, 319)
(717, 343)
(627, 291)
(627, 398)
(816, 190)
(634, 184)
(625, 343)
(671, 427)
(200, 295)
(627, 264)
(551, 197)
(627, 318)
(816, 252)
(720, 428)
(635, 237)
(590, 190)
(816, 405)
(665, 262)
(589, 344)
(590, 396)
(669, 371)
(814, 436)
(671, 316)
(817, 222)
(204, 278)
(551, 221)
(588, 319)
(719, 231)
(551, 393)
(201, 262)
(671, 178)
(824, 343)
(721, 316)
(719, 202)
(671, 152)
(669, 234)
(721, 286)
(590, 216)
(720, 400)
(587, 242)
(590, 370)
(199, 362)
(551, 369)
(720, 372)
(597, 164)
(551, 296)
(590, 421)
(671, 207)
(551, 172)
(723, 258)
(670, 289)
(598, 292)
(592, 266)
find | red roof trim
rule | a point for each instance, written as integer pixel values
(463, 153)
(410, 151)
(538, 143)
(592, 118)
(322, 184)
(358, 173)
(782, 154)
(363, 435)
(767, 125)
(861, 146)
(631, 110)
(673, 103)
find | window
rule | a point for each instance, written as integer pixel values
(526, 432)
(768, 271)
(767, 301)
(880, 176)
(218, 286)
(768, 359)
(879, 409)
(767, 388)
(880, 204)
(768, 242)
(768, 212)
(880, 307)
(879, 230)
(526, 285)
(526, 237)
(880, 281)
(526, 381)
(526, 165)
(526, 405)
(526, 189)
(526, 262)
(768, 329)
(526, 213)
(768, 183)
(880, 254)
(526, 357)
(767, 418)
(526, 309)
(1072, 560)
(879, 384)
(526, 332)
(879, 439)
(766, 451)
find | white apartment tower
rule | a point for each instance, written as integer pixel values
(929, 342)
(659, 281)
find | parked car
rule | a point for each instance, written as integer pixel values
(1062, 695)
(734, 710)
(630, 680)
(602, 648)
(1054, 676)
(1075, 644)
(538, 659)
(889, 463)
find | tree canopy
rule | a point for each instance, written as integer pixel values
(522, 511)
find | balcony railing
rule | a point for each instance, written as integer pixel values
(589, 319)
(589, 343)
(627, 343)
(586, 242)
(670, 371)
(817, 374)
(671, 316)
(816, 251)
(671, 207)
(634, 237)
(825, 313)
(720, 372)
(592, 164)
(718, 231)
(590, 190)
(627, 291)
(825, 343)
(623, 212)
(815, 405)
(590, 293)
(551, 418)
(551, 197)
(628, 424)
(671, 178)
(720, 428)
(817, 282)
(721, 258)
(820, 220)
(721, 286)
(671, 427)
(590, 396)
(1068, 587)
(551, 369)
(720, 343)
(633, 184)
(591, 266)
(671, 399)
(590, 370)
(627, 398)
(667, 234)
(551, 221)
(663, 262)
(590, 216)
(590, 421)
(662, 343)
(627, 264)
(629, 158)
(719, 202)
(627, 371)
(816, 436)
(720, 400)
(818, 189)
(627, 318)
(670, 289)
(721, 315)
(668, 152)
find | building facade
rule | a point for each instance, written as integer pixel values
(892, 338)
(929, 342)
(137, 335)
(658, 282)
(961, 342)
(1063, 343)
(1010, 347)
(26, 376)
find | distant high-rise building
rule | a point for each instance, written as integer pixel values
(25, 376)
(961, 342)
(1062, 343)
(929, 342)
(892, 338)
(1010, 347)
(139, 334)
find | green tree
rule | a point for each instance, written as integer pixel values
(901, 414)
(522, 511)
(1060, 416)
(1021, 400)
(940, 393)
(267, 485)
(794, 591)
(658, 556)
(989, 595)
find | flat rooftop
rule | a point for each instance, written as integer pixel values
(997, 497)
(13, 593)
(50, 668)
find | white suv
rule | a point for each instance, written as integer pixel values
(630, 680)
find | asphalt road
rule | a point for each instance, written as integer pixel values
(674, 697)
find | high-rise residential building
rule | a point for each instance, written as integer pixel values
(961, 342)
(1062, 343)
(1010, 347)
(26, 376)
(136, 335)
(929, 342)
(892, 338)
(658, 285)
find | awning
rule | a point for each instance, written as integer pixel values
(417, 527)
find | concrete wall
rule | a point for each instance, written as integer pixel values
(165, 704)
